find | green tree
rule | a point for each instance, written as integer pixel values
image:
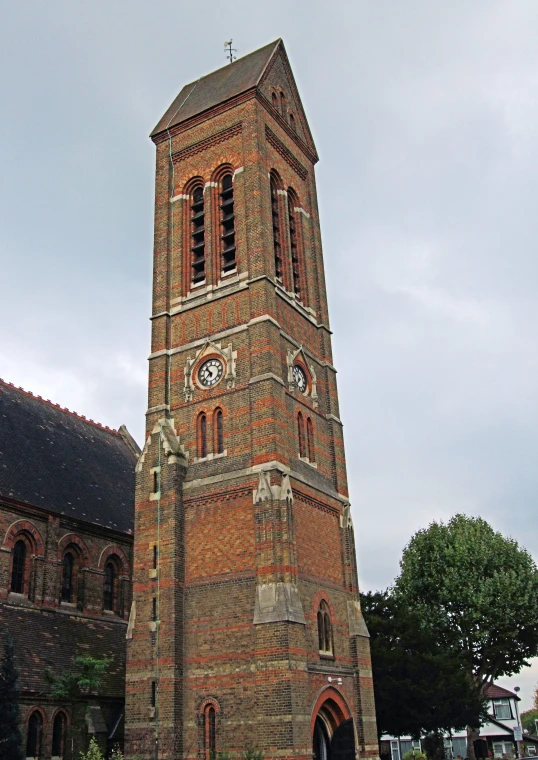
(477, 592)
(10, 734)
(93, 753)
(418, 687)
(72, 685)
(528, 721)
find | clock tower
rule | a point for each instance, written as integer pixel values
(246, 628)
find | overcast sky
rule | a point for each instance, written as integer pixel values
(425, 118)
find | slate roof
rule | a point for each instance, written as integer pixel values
(53, 458)
(53, 639)
(217, 87)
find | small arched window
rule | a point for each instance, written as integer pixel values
(227, 222)
(34, 739)
(275, 212)
(67, 577)
(109, 587)
(202, 435)
(325, 634)
(274, 100)
(197, 236)
(283, 104)
(218, 428)
(18, 567)
(210, 732)
(296, 268)
(58, 735)
(301, 435)
(292, 122)
(310, 439)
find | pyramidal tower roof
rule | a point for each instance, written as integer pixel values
(235, 79)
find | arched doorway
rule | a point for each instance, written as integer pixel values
(333, 731)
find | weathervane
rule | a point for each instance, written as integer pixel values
(230, 51)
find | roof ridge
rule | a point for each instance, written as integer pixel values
(61, 408)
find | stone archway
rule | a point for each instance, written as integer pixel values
(333, 731)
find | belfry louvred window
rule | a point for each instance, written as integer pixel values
(310, 439)
(301, 435)
(293, 203)
(227, 223)
(18, 567)
(197, 236)
(275, 213)
(218, 430)
(325, 634)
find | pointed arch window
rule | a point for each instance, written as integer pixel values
(109, 587)
(310, 439)
(202, 435)
(325, 634)
(275, 213)
(301, 435)
(18, 567)
(274, 100)
(292, 122)
(227, 222)
(58, 735)
(34, 740)
(283, 104)
(210, 732)
(197, 236)
(296, 263)
(67, 577)
(218, 429)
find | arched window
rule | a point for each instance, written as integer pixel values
(283, 104)
(197, 236)
(301, 435)
(67, 577)
(325, 634)
(227, 222)
(274, 100)
(109, 587)
(292, 122)
(18, 567)
(202, 435)
(296, 264)
(58, 735)
(34, 739)
(218, 429)
(310, 439)
(275, 212)
(210, 732)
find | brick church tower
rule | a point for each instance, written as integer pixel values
(246, 628)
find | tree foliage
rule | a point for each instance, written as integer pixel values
(10, 734)
(477, 591)
(528, 721)
(93, 752)
(85, 678)
(419, 688)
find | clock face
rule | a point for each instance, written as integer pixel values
(210, 372)
(300, 377)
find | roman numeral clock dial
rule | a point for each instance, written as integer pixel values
(210, 372)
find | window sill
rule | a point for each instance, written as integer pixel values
(68, 605)
(306, 460)
(109, 612)
(210, 457)
(326, 656)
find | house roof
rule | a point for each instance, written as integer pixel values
(53, 639)
(498, 692)
(53, 458)
(217, 87)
